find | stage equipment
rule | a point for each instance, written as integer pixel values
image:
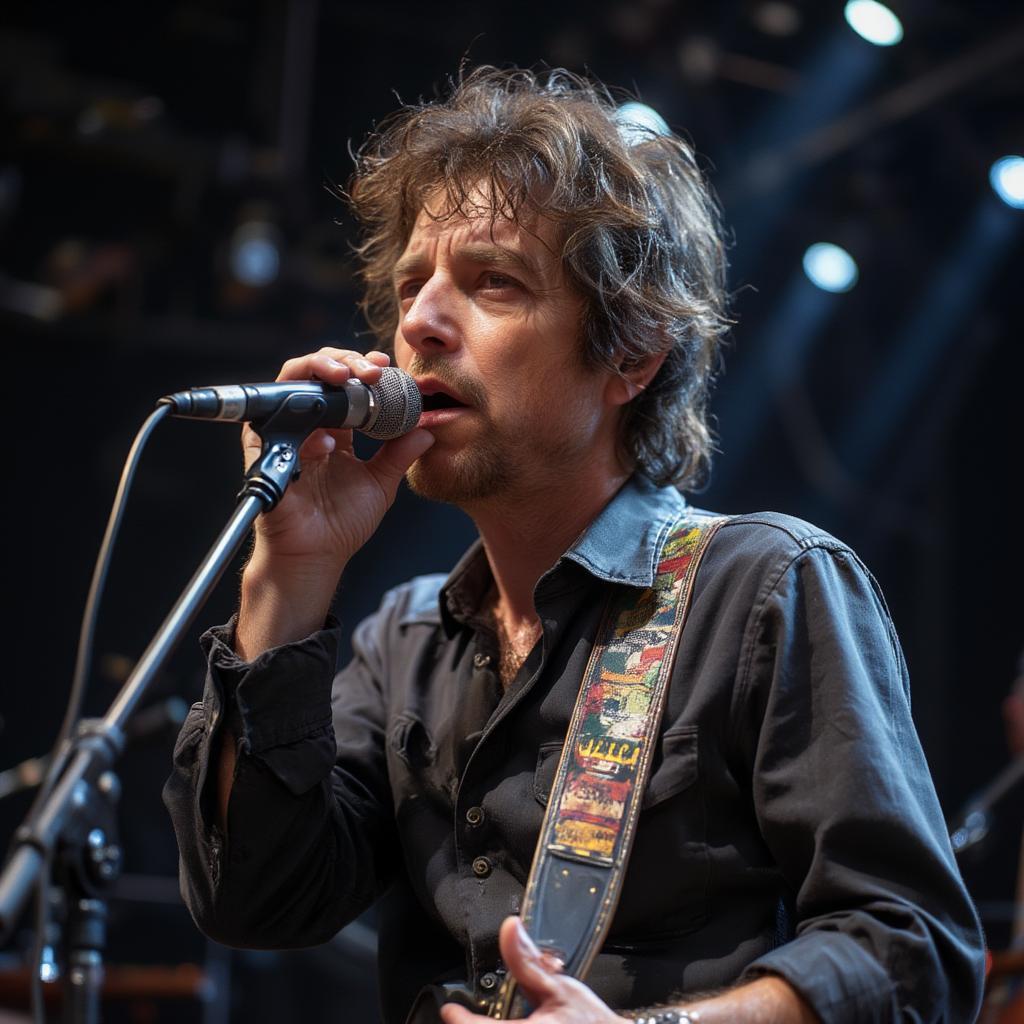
(71, 830)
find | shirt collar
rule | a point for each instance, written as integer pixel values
(620, 546)
(464, 590)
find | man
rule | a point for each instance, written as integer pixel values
(553, 280)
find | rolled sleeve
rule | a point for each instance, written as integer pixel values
(834, 973)
(278, 706)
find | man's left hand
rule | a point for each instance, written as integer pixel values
(557, 998)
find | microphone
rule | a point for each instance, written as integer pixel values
(383, 411)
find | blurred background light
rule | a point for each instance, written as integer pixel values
(255, 253)
(874, 22)
(637, 121)
(830, 267)
(777, 19)
(1007, 177)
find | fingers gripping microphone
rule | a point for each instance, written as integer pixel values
(383, 411)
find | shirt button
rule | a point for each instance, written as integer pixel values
(481, 867)
(481, 660)
(488, 981)
(475, 816)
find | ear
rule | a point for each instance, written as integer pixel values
(632, 377)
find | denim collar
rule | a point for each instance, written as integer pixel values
(620, 546)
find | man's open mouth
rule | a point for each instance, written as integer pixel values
(439, 400)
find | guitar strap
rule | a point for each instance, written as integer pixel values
(588, 830)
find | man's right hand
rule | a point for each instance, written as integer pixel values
(324, 518)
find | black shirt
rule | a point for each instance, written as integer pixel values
(790, 825)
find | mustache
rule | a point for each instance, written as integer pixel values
(470, 390)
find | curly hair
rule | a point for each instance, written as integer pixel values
(639, 233)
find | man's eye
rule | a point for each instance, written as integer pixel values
(408, 290)
(498, 281)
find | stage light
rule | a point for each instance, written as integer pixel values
(1007, 177)
(638, 122)
(830, 268)
(874, 22)
(255, 253)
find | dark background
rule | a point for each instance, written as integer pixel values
(138, 137)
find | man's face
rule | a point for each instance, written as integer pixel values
(486, 319)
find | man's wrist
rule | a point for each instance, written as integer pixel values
(768, 999)
(291, 571)
(280, 604)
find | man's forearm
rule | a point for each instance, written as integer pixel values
(281, 604)
(768, 1000)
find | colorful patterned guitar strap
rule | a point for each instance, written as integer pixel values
(588, 829)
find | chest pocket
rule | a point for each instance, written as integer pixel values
(410, 740)
(417, 766)
(675, 767)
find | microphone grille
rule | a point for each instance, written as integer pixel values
(399, 405)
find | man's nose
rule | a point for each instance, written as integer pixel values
(430, 324)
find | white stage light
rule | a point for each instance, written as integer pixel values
(1007, 177)
(874, 22)
(830, 268)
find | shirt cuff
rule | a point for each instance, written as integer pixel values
(281, 696)
(841, 981)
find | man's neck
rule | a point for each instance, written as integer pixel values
(525, 534)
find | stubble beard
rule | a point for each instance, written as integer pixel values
(496, 463)
(495, 466)
(475, 473)
(480, 469)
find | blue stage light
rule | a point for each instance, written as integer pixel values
(1007, 177)
(638, 122)
(874, 22)
(255, 254)
(830, 268)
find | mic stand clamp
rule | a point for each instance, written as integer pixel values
(282, 434)
(86, 863)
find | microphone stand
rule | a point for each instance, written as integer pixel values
(30, 773)
(974, 821)
(73, 829)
